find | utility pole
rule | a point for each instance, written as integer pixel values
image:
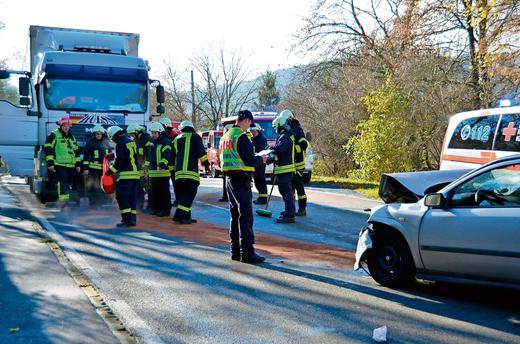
(193, 108)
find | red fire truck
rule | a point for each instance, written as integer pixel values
(211, 140)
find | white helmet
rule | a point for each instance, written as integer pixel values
(98, 129)
(134, 128)
(280, 121)
(112, 131)
(287, 114)
(186, 124)
(158, 127)
(257, 127)
(166, 122)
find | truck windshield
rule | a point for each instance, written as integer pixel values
(95, 95)
(267, 129)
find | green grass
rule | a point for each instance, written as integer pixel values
(369, 189)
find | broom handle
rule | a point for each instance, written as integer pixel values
(270, 193)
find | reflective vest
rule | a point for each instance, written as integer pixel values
(64, 148)
(230, 160)
(159, 155)
(125, 163)
(188, 150)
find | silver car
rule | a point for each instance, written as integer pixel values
(468, 231)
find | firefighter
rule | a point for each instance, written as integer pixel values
(158, 172)
(62, 156)
(259, 143)
(284, 167)
(300, 146)
(170, 133)
(224, 188)
(127, 170)
(187, 151)
(238, 162)
(144, 143)
(93, 154)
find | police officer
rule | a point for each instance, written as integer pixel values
(144, 143)
(259, 143)
(188, 149)
(158, 172)
(93, 154)
(62, 156)
(284, 167)
(224, 188)
(239, 161)
(127, 170)
(300, 146)
(170, 133)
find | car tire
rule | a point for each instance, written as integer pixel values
(390, 262)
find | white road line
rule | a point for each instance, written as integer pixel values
(129, 317)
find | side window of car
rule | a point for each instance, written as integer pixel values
(475, 133)
(496, 188)
(508, 137)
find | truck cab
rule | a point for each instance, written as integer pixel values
(211, 141)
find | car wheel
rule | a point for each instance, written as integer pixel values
(390, 262)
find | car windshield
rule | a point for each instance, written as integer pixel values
(95, 95)
(267, 129)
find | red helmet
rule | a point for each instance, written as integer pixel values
(64, 121)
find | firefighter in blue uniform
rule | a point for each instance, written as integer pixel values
(170, 134)
(300, 146)
(127, 170)
(144, 143)
(62, 156)
(238, 162)
(284, 167)
(93, 154)
(259, 143)
(159, 200)
(188, 149)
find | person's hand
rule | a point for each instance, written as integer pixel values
(78, 169)
(51, 169)
(85, 172)
(264, 158)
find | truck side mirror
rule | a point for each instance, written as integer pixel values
(160, 94)
(24, 85)
(308, 136)
(160, 109)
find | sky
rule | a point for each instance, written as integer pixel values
(263, 30)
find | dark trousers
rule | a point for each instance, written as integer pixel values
(140, 193)
(95, 194)
(297, 184)
(64, 179)
(172, 178)
(284, 181)
(224, 187)
(186, 190)
(260, 182)
(159, 198)
(126, 196)
(241, 208)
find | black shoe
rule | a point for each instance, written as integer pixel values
(235, 257)
(185, 222)
(254, 259)
(162, 214)
(131, 224)
(260, 201)
(124, 224)
(153, 212)
(301, 212)
(222, 199)
(286, 219)
(193, 221)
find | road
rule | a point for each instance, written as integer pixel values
(170, 283)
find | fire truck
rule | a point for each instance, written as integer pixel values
(211, 140)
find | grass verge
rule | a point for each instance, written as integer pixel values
(369, 189)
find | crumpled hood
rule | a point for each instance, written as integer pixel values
(410, 187)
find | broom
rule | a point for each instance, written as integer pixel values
(265, 212)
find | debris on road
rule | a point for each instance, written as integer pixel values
(379, 334)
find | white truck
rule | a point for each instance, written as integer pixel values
(93, 77)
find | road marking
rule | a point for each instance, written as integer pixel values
(212, 205)
(129, 317)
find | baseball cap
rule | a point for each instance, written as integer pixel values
(246, 114)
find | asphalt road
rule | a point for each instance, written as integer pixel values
(175, 284)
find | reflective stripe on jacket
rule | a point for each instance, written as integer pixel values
(230, 160)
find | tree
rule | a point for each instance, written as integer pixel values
(268, 95)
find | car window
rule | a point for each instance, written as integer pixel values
(508, 137)
(475, 133)
(496, 188)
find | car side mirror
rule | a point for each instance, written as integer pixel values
(159, 90)
(435, 200)
(160, 109)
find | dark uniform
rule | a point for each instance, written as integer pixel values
(128, 169)
(144, 144)
(284, 171)
(260, 143)
(238, 162)
(61, 151)
(187, 150)
(300, 146)
(159, 200)
(93, 155)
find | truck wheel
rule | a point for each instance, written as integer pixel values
(307, 177)
(390, 262)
